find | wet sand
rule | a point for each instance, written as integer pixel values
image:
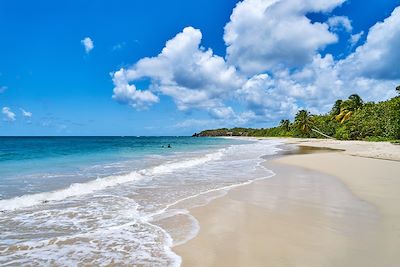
(321, 209)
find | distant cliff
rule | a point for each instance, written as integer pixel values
(224, 132)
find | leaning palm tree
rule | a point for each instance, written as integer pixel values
(315, 129)
(304, 122)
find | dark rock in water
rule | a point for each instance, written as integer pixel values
(45, 201)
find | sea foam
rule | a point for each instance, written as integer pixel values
(84, 223)
(98, 184)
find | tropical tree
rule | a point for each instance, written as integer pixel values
(348, 107)
(346, 110)
(304, 123)
(356, 101)
(336, 107)
(398, 89)
(285, 125)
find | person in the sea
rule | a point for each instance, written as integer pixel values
(169, 146)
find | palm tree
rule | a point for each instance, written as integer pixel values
(348, 107)
(285, 124)
(356, 101)
(336, 107)
(346, 110)
(304, 122)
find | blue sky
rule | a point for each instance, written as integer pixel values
(212, 74)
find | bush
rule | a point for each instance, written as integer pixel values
(342, 133)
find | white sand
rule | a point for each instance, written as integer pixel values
(378, 150)
(327, 209)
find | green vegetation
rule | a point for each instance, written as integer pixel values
(349, 119)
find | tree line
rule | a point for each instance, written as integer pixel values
(349, 119)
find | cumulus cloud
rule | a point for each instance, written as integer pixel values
(314, 87)
(379, 57)
(355, 38)
(273, 65)
(265, 97)
(263, 35)
(88, 44)
(340, 22)
(9, 115)
(283, 93)
(25, 113)
(320, 80)
(193, 76)
(128, 93)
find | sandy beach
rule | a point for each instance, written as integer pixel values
(320, 209)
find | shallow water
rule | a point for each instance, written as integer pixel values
(125, 215)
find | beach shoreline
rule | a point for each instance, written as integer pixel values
(320, 209)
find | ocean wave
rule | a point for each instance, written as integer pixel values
(122, 224)
(78, 189)
(184, 164)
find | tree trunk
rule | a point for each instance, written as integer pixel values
(321, 133)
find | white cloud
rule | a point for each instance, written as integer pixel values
(324, 80)
(340, 22)
(355, 38)
(263, 35)
(128, 93)
(194, 123)
(379, 57)
(118, 46)
(222, 112)
(88, 44)
(273, 66)
(10, 116)
(268, 98)
(320, 81)
(314, 87)
(193, 76)
(25, 113)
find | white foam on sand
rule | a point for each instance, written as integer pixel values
(83, 224)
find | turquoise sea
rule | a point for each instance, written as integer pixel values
(113, 200)
(40, 164)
